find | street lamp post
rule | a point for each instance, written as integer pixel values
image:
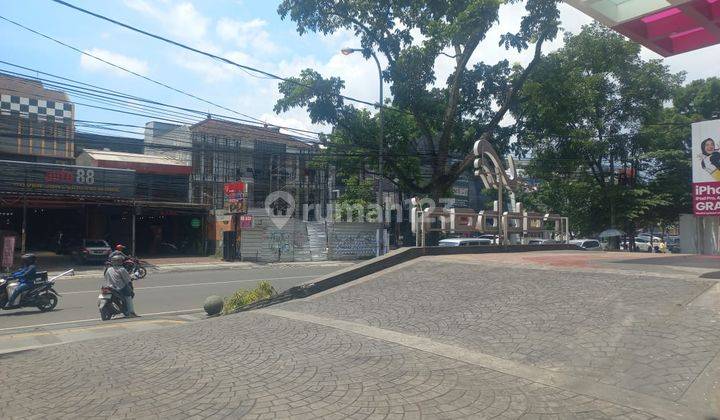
(381, 142)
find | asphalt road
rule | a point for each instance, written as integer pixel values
(158, 292)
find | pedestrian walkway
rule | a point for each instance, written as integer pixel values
(431, 338)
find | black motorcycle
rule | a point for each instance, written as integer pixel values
(42, 295)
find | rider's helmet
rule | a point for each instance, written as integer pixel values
(120, 247)
(117, 260)
(28, 259)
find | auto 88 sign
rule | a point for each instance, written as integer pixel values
(48, 179)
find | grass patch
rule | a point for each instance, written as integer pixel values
(242, 297)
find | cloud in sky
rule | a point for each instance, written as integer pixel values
(130, 63)
(182, 20)
(257, 42)
(247, 35)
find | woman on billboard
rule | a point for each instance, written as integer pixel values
(710, 158)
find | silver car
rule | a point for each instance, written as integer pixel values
(465, 242)
(587, 244)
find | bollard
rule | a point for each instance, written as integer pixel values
(213, 305)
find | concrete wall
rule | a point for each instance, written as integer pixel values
(351, 241)
(297, 240)
(699, 235)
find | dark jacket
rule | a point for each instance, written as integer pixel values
(26, 274)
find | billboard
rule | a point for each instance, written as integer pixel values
(236, 197)
(706, 168)
(65, 180)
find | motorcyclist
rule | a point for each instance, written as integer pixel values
(119, 248)
(25, 276)
(117, 277)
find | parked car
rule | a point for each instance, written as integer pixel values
(90, 250)
(492, 238)
(537, 241)
(673, 244)
(647, 237)
(465, 242)
(587, 244)
(642, 244)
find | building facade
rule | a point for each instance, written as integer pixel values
(224, 152)
(36, 124)
(172, 141)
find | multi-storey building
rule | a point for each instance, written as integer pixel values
(225, 152)
(36, 124)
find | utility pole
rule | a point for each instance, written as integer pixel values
(501, 238)
(381, 146)
(23, 245)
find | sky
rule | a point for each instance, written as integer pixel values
(246, 31)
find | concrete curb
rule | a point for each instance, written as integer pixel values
(174, 268)
(388, 260)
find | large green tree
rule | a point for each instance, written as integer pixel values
(668, 161)
(699, 99)
(431, 124)
(581, 116)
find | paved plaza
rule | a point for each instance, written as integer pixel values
(492, 336)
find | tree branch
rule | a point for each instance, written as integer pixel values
(371, 35)
(454, 99)
(460, 166)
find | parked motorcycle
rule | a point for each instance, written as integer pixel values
(42, 295)
(111, 302)
(134, 267)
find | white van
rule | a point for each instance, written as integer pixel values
(465, 242)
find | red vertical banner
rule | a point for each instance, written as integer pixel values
(8, 251)
(236, 197)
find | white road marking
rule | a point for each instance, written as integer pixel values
(195, 284)
(98, 319)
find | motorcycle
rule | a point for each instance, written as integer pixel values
(135, 267)
(42, 295)
(111, 302)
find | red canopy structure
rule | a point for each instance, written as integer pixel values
(668, 27)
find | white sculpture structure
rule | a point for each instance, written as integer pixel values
(513, 226)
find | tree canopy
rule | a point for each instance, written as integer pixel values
(431, 124)
(592, 117)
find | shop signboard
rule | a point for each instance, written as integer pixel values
(706, 168)
(65, 180)
(245, 222)
(236, 197)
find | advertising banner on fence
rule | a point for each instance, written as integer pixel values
(8, 248)
(236, 197)
(706, 168)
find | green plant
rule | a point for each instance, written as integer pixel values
(242, 297)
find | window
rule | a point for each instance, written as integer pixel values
(96, 244)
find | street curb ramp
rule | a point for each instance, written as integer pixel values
(399, 256)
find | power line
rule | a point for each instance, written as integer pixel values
(210, 55)
(147, 111)
(78, 88)
(165, 85)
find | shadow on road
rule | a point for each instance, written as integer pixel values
(697, 261)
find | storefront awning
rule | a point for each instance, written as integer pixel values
(142, 164)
